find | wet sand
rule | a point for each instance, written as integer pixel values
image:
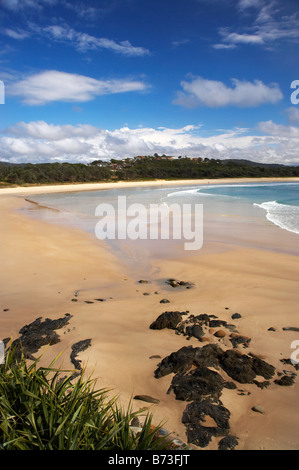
(44, 265)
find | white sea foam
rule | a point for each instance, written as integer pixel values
(186, 192)
(198, 192)
(283, 215)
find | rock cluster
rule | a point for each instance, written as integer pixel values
(198, 373)
(200, 327)
(37, 334)
(177, 283)
(41, 333)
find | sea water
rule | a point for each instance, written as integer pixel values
(280, 201)
(251, 214)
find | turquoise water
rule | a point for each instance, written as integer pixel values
(280, 201)
(263, 215)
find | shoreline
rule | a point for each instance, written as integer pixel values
(45, 265)
(70, 187)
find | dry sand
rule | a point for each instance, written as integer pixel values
(43, 265)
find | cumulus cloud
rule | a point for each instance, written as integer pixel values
(39, 141)
(279, 130)
(199, 91)
(293, 115)
(53, 85)
(42, 130)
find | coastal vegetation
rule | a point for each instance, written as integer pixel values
(139, 168)
(41, 409)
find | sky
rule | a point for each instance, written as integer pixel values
(101, 79)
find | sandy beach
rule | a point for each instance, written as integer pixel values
(49, 270)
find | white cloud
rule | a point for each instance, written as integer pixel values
(293, 115)
(270, 24)
(40, 142)
(42, 130)
(224, 46)
(84, 42)
(235, 38)
(16, 34)
(279, 130)
(211, 93)
(180, 42)
(53, 85)
(17, 5)
(244, 4)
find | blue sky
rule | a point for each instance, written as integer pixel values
(117, 78)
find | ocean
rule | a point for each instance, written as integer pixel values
(255, 215)
(279, 201)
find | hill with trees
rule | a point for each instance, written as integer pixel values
(139, 168)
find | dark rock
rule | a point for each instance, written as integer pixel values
(195, 330)
(237, 339)
(207, 356)
(217, 323)
(166, 320)
(146, 398)
(183, 359)
(236, 315)
(204, 319)
(285, 380)
(176, 283)
(290, 328)
(100, 300)
(164, 301)
(88, 301)
(197, 384)
(243, 368)
(271, 328)
(263, 384)
(143, 281)
(184, 283)
(238, 366)
(195, 414)
(228, 443)
(289, 362)
(262, 368)
(230, 385)
(179, 361)
(76, 349)
(38, 334)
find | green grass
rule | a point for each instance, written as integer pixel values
(42, 409)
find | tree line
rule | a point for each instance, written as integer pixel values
(145, 168)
